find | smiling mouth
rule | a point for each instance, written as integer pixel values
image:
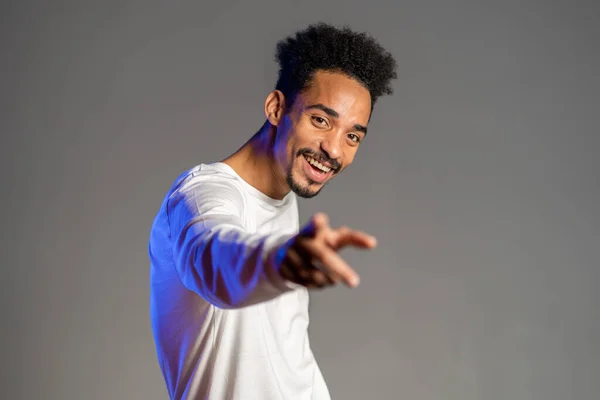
(317, 165)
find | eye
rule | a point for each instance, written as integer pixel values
(320, 121)
(354, 137)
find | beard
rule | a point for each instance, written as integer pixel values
(305, 191)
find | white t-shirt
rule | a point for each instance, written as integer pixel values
(225, 324)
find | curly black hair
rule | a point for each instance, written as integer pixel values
(324, 47)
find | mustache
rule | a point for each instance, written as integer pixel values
(320, 157)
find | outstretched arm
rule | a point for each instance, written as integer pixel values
(218, 259)
(215, 256)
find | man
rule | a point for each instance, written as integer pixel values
(230, 267)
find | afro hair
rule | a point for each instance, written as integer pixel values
(325, 47)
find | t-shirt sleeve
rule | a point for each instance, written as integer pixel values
(215, 256)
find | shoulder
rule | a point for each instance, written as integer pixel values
(206, 188)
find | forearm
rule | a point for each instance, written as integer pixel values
(228, 266)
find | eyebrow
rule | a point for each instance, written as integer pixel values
(332, 113)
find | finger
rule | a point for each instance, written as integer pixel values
(347, 237)
(306, 252)
(318, 222)
(292, 265)
(333, 263)
(299, 269)
(310, 272)
(289, 273)
(318, 279)
(299, 256)
(332, 276)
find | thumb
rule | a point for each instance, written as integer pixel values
(318, 222)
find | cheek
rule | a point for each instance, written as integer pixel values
(349, 156)
(286, 147)
(289, 146)
(292, 140)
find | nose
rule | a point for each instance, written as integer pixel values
(331, 145)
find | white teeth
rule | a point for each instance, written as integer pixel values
(317, 164)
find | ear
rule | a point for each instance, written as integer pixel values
(275, 107)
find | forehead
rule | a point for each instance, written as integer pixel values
(349, 98)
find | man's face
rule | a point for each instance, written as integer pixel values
(319, 136)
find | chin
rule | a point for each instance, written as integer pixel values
(305, 189)
(306, 193)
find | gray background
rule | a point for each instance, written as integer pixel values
(479, 178)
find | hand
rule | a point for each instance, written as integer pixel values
(312, 258)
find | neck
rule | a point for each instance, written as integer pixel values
(255, 163)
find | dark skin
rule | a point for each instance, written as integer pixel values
(301, 148)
